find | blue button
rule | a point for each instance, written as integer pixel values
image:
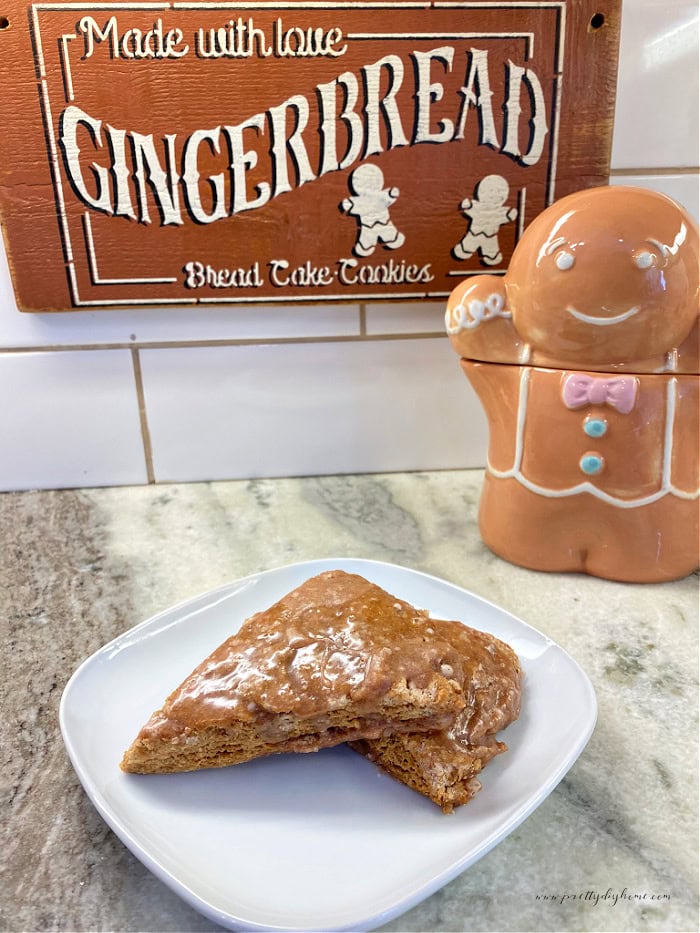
(591, 464)
(595, 427)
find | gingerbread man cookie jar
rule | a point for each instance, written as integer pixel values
(585, 359)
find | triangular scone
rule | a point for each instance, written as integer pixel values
(443, 765)
(338, 658)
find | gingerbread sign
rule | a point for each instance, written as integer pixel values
(166, 153)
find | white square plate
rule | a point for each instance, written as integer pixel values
(309, 842)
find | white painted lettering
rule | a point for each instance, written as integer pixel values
(477, 93)
(427, 93)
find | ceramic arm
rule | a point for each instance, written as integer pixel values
(479, 324)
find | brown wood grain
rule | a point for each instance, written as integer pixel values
(176, 222)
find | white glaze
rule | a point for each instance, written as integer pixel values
(564, 260)
(666, 487)
(475, 313)
(603, 321)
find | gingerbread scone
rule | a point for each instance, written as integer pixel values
(336, 659)
(444, 765)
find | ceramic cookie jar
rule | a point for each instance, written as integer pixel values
(585, 359)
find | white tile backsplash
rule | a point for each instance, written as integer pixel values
(405, 318)
(334, 388)
(656, 115)
(683, 187)
(306, 409)
(69, 418)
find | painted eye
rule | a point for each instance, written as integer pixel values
(564, 260)
(644, 259)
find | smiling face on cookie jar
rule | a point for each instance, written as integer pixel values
(606, 276)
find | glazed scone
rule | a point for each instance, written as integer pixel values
(336, 659)
(444, 765)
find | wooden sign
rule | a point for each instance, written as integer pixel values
(165, 153)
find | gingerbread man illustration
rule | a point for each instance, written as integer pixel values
(487, 213)
(585, 358)
(370, 203)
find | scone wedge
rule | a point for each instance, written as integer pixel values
(336, 659)
(444, 765)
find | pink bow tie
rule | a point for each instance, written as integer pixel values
(619, 392)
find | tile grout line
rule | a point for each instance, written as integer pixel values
(222, 342)
(143, 417)
(654, 172)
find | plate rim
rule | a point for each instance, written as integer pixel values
(421, 891)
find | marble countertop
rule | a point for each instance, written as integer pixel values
(79, 567)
